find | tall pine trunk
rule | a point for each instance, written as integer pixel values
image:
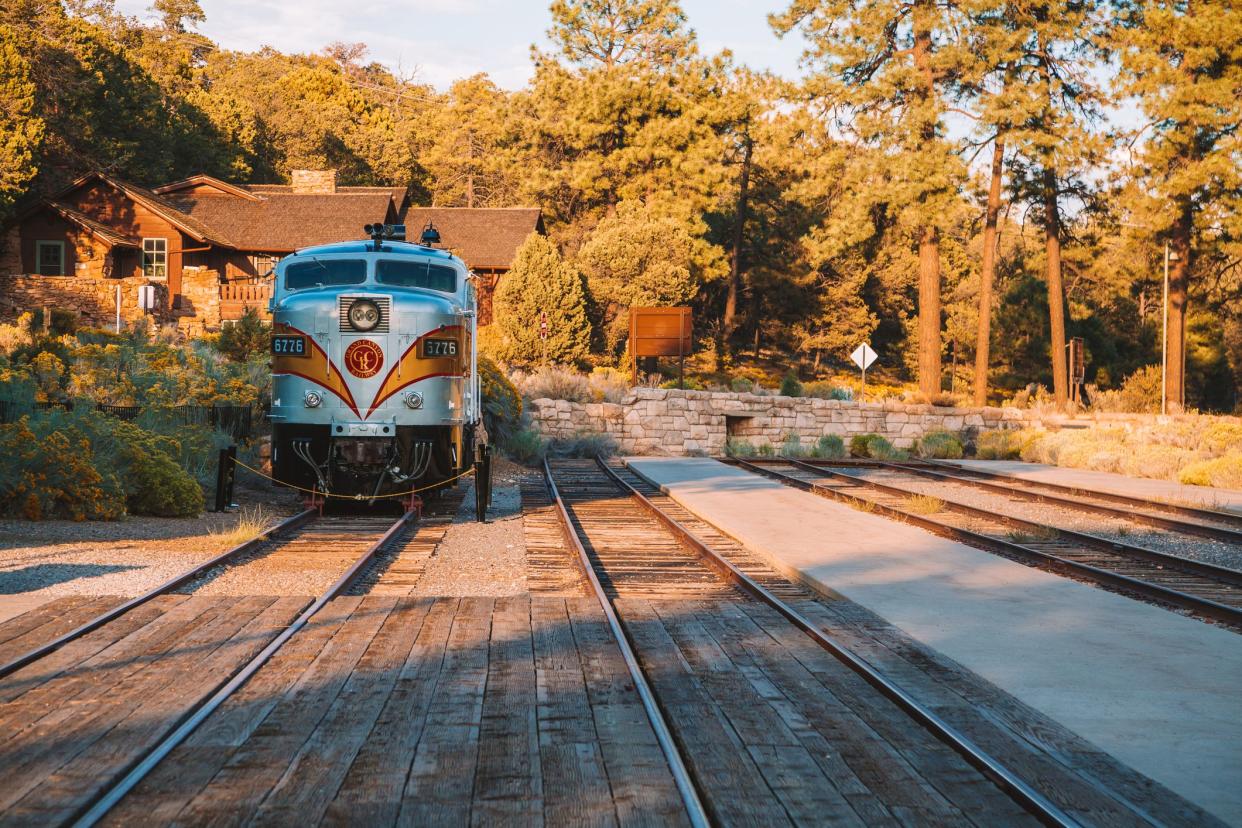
(739, 227)
(1056, 289)
(1179, 271)
(929, 238)
(988, 276)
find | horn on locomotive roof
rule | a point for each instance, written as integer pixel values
(430, 235)
(379, 232)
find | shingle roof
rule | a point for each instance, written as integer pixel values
(283, 222)
(89, 224)
(482, 236)
(157, 204)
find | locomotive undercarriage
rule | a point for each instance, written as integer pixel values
(310, 457)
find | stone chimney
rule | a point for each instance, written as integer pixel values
(314, 182)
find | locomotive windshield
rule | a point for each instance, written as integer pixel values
(416, 274)
(318, 273)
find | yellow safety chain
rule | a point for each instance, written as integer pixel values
(317, 493)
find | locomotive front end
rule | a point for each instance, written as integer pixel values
(375, 391)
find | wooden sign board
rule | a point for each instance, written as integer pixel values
(660, 332)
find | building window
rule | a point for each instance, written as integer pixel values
(50, 258)
(263, 263)
(155, 258)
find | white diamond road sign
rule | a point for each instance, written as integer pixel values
(863, 356)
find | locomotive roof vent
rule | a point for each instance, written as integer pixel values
(430, 235)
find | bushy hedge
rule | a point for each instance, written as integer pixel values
(502, 404)
(939, 444)
(875, 447)
(90, 466)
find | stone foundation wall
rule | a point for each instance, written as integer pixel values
(94, 299)
(672, 422)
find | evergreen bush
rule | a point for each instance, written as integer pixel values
(540, 283)
(502, 404)
(248, 337)
(829, 447)
(791, 386)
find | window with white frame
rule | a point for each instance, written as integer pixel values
(155, 258)
(50, 258)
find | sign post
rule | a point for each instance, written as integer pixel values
(863, 356)
(543, 334)
(657, 332)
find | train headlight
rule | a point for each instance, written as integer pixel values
(414, 399)
(364, 315)
(313, 399)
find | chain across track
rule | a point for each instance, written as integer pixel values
(332, 531)
(637, 549)
(1206, 590)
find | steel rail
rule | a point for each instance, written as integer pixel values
(138, 769)
(1164, 559)
(1203, 606)
(681, 775)
(1199, 512)
(1013, 785)
(1020, 489)
(98, 621)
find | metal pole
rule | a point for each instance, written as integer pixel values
(862, 394)
(118, 308)
(1164, 340)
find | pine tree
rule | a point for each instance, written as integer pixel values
(637, 258)
(1183, 63)
(891, 69)
(540, 284)
(21, 131)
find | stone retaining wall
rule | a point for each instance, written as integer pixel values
(672, 422)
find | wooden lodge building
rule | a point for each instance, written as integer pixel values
(209, 246)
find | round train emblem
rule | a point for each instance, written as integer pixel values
(364, 358)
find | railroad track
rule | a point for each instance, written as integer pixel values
(1205, 590)
(650, 573)
(138, 768)
(1186, 520)
(233, 555)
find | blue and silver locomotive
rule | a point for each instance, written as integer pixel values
(375, 385)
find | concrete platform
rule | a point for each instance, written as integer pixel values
(1224, 499)
(1156, 690)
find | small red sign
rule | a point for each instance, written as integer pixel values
(364, 358)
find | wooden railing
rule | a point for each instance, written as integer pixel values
(235, 297)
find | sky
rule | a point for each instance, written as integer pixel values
(444, 40)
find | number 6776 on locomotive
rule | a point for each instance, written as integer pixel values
(375, 386)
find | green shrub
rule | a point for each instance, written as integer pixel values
(765, 450)
(53, 476)
(1220, 438)
(875, 447)
(739, 448)
(792, 446)
(247, 337)
(829, 447)
(939, 444)
(690, 384)
(147, 465)
(742, 385)
(525, 446)
(583, 444)
(1140, 393)
(826, 391)
(502, 404)
(858, 445)
(1002, 444)
(790, 386)
(1221, 472)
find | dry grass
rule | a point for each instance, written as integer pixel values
(924, 504)
(250, 522)
(1040, 534)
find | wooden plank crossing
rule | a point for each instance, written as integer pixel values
(33, 629)
(1079, 777)
(425, 710)
(72, 721)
